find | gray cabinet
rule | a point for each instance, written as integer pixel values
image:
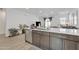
(59, 42)
(44, 40)
(77, 45)
(36, 38)
(40, 39)
(69, 42)
(56, 43)
(69, 45)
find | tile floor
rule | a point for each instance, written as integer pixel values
(15, 43)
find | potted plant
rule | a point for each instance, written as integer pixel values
(13, 31)
(23, 27)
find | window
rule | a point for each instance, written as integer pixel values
(63, 21)
(71, 21)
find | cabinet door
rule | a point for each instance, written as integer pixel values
(28, 36)
(56, 43)
(35, 38)
(44, 40)
(77, 45)
(70, 45)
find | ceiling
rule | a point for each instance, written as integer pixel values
(44, 12)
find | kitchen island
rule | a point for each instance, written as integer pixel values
(56, 38)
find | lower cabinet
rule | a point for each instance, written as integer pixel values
(36, 38)
(56, 43)
(62, 42)
(70, 45)
(44, 40)
(77, 45)
(40, 39)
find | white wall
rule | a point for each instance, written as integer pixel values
(78, 18)
(55, 22)
(17, 16)
(2, 21)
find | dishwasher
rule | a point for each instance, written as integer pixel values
(28, 35)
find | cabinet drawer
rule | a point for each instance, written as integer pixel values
(76, 38)
(44, 33)
(71, 37)
(35, 31)
(64, 36)
(57, 35)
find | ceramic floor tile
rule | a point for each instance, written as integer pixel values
(15, 43)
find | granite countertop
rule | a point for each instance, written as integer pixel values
(60, 31)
